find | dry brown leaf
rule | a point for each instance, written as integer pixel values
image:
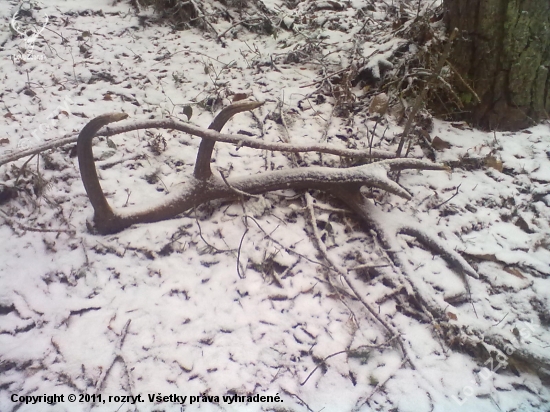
(379, 104)
(523, 225)
(515, 272)
(439, 144)
(495, 163)
(452, 316)
(239, 96)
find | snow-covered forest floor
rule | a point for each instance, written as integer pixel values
(234, 297)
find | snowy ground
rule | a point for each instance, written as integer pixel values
(161, 308)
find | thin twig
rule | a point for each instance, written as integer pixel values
(320, 364)
(204, 240)
(464, 82)
(347, 351)
(297, 397)
(117, 356)
(208, 134)
(239, 192)
(343, 273)
(22, 169)
(237, 24)
(449, 199)
(287, 249)
(420, 98)
(360, 267)
(325, 78)
(241, 274)
(379, 386)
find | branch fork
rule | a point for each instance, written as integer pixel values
(205, 187)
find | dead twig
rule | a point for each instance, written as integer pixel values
(378, 387)
(449, 199)
(422, 95)
(239, 140)
(344, 275)
(117, 356)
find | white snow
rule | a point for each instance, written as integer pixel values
(197, 327)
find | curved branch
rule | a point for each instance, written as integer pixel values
(204, 187)
(197, 192)
(86, 163)
(204, 155)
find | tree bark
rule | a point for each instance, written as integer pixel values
(503, 52)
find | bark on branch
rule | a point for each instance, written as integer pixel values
(211, 135)
(204, 187)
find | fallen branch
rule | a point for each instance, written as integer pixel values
(205, 187)
(344, 274)
(212, 135)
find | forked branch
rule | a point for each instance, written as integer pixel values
(205, 187)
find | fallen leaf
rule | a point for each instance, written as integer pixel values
(239, 96)
(495, 163)
(379, 104)
(515, 272)
(452, 316)
(523, 225)
(439, 144)
(188, 111)
(111, 144)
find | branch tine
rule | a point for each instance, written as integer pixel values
(204, 155)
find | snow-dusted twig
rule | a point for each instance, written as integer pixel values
(246, 141)
(240, 269)
(205, 187)
(211, 135)
(379, 386)
(420, 98)
(12, 157)
(117, 356)
(297, 397)
(361, 351)
(344, 274)
(449, 199)
(212, 247)
(238, 24)
(288, 250)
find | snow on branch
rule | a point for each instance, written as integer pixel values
(205, 187)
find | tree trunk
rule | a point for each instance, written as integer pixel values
(503, 53)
